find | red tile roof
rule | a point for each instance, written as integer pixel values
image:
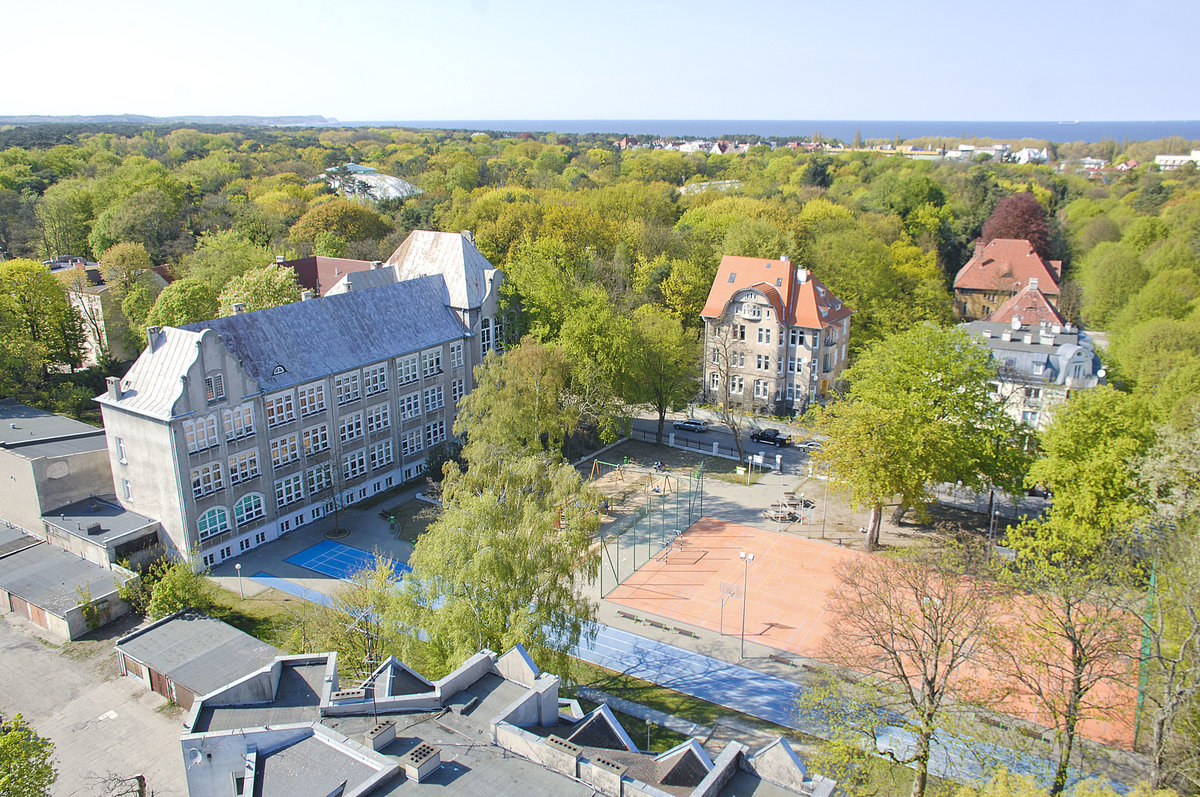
(1007, 264)
(1030, 305)
(799, 299)
(318, 273)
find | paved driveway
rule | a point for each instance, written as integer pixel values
(99, 720)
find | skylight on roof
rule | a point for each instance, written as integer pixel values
(732, 276)
(779, 282)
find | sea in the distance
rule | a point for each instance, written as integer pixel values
(1066, 130)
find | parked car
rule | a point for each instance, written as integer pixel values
(691, 425)
(771, 437)
(809, 445)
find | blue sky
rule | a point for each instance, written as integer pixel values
(620, 59)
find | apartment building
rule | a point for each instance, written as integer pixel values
(775, 337)
(998, 271)
(235, 431)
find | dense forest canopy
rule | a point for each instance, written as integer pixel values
(576, 222)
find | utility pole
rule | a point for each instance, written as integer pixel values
(747, 560)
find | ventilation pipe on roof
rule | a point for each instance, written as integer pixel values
(376, 264)
(238, 308)
(114, 388)
(1033, 283)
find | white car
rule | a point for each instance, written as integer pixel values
(691, 425)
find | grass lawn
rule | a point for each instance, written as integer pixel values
(265, 616)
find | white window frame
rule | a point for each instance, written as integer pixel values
(347, 387)
(312, 399)
(435, 433)
(456, 355)
(354, 464)
(319, 478)
(285, 450)
(410, 406)
(350, 427)
(200, 434)
(375, 379)
(239, 422)
(280, 409)
(410, 442)
(205, 529)
(435, 399)
(406, 369)
(315, 439)
(289, 489)
(243, 466)
(381, 454)
(258, 509)
(379, 417)
(431, 362)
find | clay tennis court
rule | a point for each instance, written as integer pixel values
(788, 586)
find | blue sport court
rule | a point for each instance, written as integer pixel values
(331, 558)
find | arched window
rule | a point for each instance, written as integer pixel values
(249, 507)
(485, 336)
(214, 521)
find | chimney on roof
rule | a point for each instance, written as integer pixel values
(801, 275)
(153, 334)
(238, 308)
(784, 258)
(470, 238)
(1033, 282)
(305, 295)
(376, 264)
(114, 389)
(978, 247)
(279, 259)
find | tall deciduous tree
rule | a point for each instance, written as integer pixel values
(910, 626)
(345, 219)
(503, 563)
(1090, 452)
(520, 403)
(26, 760)
(43, 311)
(182, 302)
(918, 413)
(666, 366)
(258, 289)
(1069, 640)
(1019, 216)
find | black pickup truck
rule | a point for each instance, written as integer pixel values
(771, 437)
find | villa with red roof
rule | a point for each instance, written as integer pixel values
(997, 272)
(775, 338)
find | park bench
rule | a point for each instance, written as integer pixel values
(687, 632)
(628, 616)
(658, 625)
(782, 660)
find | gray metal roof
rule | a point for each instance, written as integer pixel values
(450, 254)
(363, 280)
(21, 425)
(311, 766)
(153, 386)
(313, 339)
(196, 651)
(48, 577)
(115, 520)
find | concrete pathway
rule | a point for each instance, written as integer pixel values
(100, 721)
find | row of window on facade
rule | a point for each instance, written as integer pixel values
(244, 465)
(796, 336)
(200, 433)
(762, 362)
(761, 388)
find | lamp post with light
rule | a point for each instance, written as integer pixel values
(747, 560)
(238, 567)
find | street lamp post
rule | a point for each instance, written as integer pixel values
(747, 559)
(238, 567)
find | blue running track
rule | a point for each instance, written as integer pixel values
(331, 558)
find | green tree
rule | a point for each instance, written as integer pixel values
(504, 562)
(122, 264)
(258, 289)
(918, 413)
(1096, 489)
(345, 219)
(26, 760)
(43, 311)
(177, 586)
(520, 403)
(183, 302)
(666, 368)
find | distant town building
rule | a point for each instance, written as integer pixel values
(1031, 155)
(1171, 162)
(775, 338)
(234, 431)
(999, 270)
(353, 180)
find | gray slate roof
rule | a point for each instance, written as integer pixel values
(196, 651)
(152, 386)
(115, 520)
(450, 254)
(314, 339)
(48, 577)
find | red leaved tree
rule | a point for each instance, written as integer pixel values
(1019, 216)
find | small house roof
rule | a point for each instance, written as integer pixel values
(1008, 264)
(799, 298)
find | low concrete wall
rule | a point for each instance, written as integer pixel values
(471, 671)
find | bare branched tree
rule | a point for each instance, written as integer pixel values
(724, 359)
